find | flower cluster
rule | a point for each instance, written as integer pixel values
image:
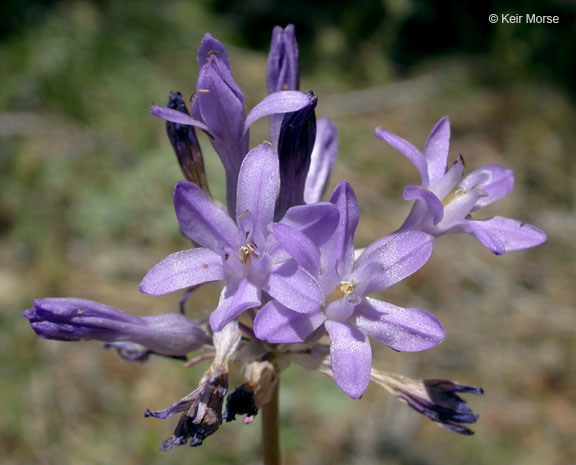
(294, 288)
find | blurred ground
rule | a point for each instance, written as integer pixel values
(86, 176)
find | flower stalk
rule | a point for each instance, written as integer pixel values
(270, 430)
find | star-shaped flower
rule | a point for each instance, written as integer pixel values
(344, 309)
(445, 201)
(243, 252)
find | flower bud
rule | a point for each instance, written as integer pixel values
(70, 319)
(295, 145)
(185, 143)
(322, 160)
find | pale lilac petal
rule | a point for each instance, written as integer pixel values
(436, 149)
(258, 184)
(298, 246)
(236, 298)
(211, 47)
(495, 182)
(434, 204)
(277, 324)
(279, 102)
(181, 270)
(175, 116)
(408, 150)
(322, 160)
(512, 234)
(399, 256)
(402, 329)
(294, 287)
(489, 240)
(317, 221)
(338, 251)
(202, 221)
(350, 356)
(449, 181)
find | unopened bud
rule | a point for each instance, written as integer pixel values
(185, 143)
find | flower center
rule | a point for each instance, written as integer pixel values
(246, 252)
(454, 194)
(344, 289)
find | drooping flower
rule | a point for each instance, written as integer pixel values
(437, 399)
(71, 319)
(445, 202)
(218, 109)
(344, 309)
(202, 408)
(242, 252)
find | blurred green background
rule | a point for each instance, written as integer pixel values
(86, 176)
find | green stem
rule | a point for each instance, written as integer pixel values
(270, 430)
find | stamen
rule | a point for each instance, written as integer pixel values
(344, 289)
(454, 194)
(246, 252)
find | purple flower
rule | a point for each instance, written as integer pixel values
(344, 309)
(218, 109)
(437, 399)
(322, 160)
(444, 201)
(282, 70)
(70, 319)
(242, 253)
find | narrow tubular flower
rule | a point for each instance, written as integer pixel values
(282, 70)
(347, 313)
(322, 160)
(243, 252)
(297, 137)
(70, 319)
(185, 143)
(445, 202)
(437, 399)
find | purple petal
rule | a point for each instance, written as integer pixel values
(258, 185)
(176, 116)
(408, 150)
(298, 246)
(449, 181)
(181, 270)
(505, 235)
(436, 150)
(434, 204)
(322, 160)
(236, 298)
(202, 221)
(338, 251)
(209, 48)
(495, 181)
(277, 324)
(317, 221)
(402, 329)
(398, 256)
(279, 102)
(350, 356)
(294, 287)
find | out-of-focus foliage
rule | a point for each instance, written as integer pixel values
(86, 177)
